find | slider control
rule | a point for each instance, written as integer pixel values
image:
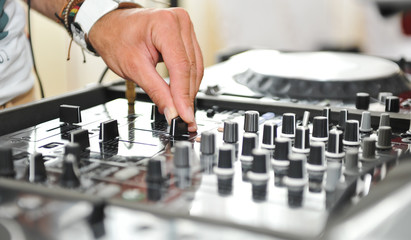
(108, 130)
(70, 114)
(156, 116)
(81, 137)
(178, 127)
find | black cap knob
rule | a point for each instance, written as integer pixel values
(178, 127)
(282, 149)
(96, 219)
(81, 137)
(207, 145)
(156, 116)
(362, 101)
(368, 149)
(296, 166)
(384, 120)
(269, 135)
(182, 154)
(108, 130)
(6, 162)
(302, 140)
(260, 161)
(351, 133)
(384, 138)
(326, 112)
(38, 173)
(70, 114)
(392, 104)
(70, 176)
(320, 129)
(251, 121)
(342, 119)
(155, 172)
(335, 144)
(249, 143)
(288, 125)
(365, 122)
(230, 134)
(317, 150)
(225, 161)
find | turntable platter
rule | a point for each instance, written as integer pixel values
(325, 75)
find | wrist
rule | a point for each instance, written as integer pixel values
(80, 16)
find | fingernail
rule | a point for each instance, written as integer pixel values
(192, 127)
(170, 113)
(190, 115)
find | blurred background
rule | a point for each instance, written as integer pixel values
(231, 25)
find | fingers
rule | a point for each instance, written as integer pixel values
(176, 46)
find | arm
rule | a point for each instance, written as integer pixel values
(145, 37)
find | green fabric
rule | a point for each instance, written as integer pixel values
(4, 19)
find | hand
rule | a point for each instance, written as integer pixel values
(133, 41)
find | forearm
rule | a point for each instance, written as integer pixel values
(48, 7)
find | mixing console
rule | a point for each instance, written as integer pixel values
(105, 172)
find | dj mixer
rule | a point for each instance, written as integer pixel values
(89, 165)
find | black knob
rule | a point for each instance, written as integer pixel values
(260, 161)
(366, 122)
(384, 120)
(282, 149)
(81, 137)
(6, 162)
(70, 114)
(335, 144)
(96, 219)
(351, 161)
(288, 125)
(368, 149)
(392, 104)
(342, 119)
(182, 154)
(155, 178)
(384, 138)
(212, 111)
(362, 101)
(249, 143)
(224, 166)
(326, 112)
(178, 128)
(156, 116)
(302, 140)
(70, 176)
(251, 121)
(269, 135)
(320, 129)
(207, 145)
(154, 172)
(230, 134)
(317, 150)
(38, 173)
(351, 133)
(296, 167)
(108, 130)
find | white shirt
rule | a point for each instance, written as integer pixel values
(15, 55)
